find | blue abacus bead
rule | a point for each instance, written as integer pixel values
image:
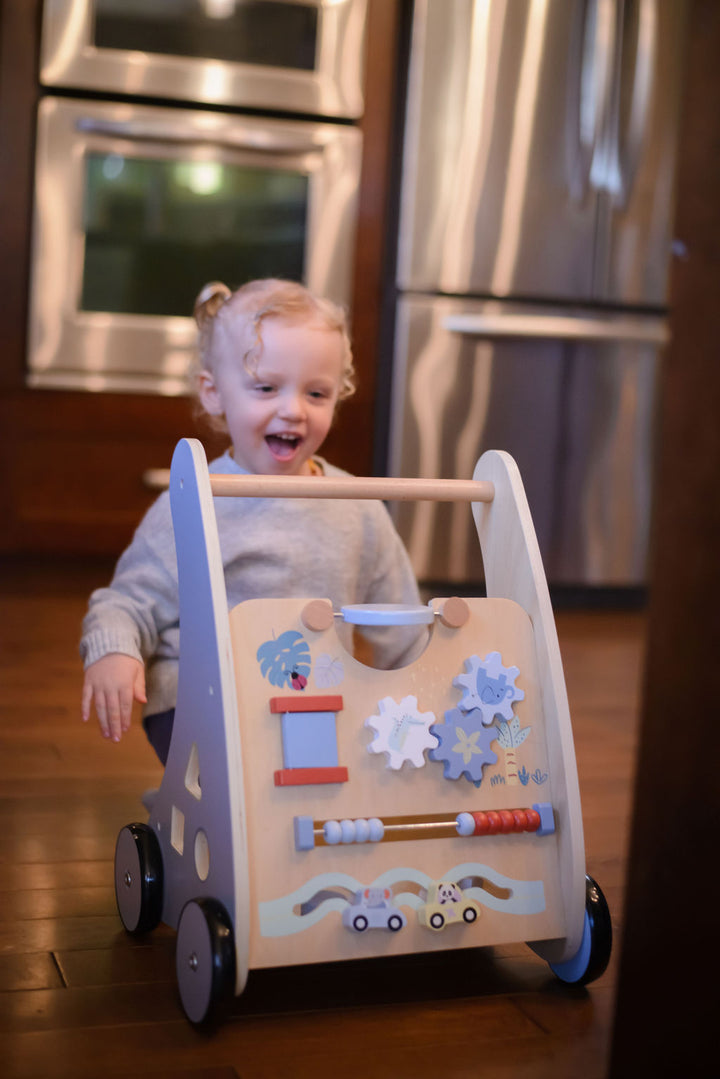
(347, 830)
(377, 829)
(362, 831)
(332, 832)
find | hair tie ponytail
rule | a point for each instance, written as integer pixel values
(209, 301)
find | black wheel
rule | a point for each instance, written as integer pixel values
(593, 955)
(360, 923)
(205, 960)
(437, 920)
(470, 914)
(394, 923)
(138, 878)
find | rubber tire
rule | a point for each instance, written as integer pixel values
(591, 960)
(138, 878)
(205, 960)
(360, 923)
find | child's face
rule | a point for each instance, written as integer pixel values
(279, 415)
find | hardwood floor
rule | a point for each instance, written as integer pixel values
(80, 998)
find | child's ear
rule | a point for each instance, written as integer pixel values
(208, 394)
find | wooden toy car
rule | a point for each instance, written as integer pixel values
(315, 808)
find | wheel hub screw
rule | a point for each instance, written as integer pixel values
(127, 878)
(193, 961)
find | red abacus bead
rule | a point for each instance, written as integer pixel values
(482, 824)
(520, 818)
(533, 820)
(494, 822)
(507, 821)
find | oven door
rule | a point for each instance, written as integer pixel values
(286, 55)
(136, 208)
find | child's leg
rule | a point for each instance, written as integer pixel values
(158, 729)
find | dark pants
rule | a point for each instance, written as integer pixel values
(158, 729)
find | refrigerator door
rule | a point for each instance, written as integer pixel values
(567, 394)
(634, 163)
(506, 104)
(605, 469)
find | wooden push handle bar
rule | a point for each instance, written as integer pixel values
(402, 490)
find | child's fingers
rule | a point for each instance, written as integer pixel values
(139, 685)
(114, 715)
(101, 712)
(87, 695)
(126, 703)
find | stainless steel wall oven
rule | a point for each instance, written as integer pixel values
(140, 198)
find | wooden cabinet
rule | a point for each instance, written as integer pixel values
(71, 464)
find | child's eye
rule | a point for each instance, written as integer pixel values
(264, 387)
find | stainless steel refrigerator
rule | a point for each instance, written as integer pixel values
(535, 232)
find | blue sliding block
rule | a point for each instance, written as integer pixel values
(309, 740)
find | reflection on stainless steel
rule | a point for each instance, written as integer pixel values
(91, 348)
(332, 88)
(508, 250)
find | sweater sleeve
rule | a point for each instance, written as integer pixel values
(141, 601)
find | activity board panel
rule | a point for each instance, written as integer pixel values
(394, 811)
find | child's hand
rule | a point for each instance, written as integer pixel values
(113, 683)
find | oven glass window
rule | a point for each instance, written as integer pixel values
(246, 31)
(156, 230)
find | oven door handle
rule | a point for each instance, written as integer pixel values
(236, 137)
(567, 327)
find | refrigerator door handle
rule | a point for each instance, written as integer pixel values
(652, 331)
(629, 148)
(597, 51)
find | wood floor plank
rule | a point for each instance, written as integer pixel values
(22, 972)
(20, 906)
(50, 934)
(54, 875)
(122, 965)
(65, 846)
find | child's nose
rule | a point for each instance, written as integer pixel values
(292, 406)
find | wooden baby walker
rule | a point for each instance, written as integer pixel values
(314, 808)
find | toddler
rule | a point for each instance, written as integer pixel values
(274, 361)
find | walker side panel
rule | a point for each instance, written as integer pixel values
(198, 814)
(514, 569)
(335, 751)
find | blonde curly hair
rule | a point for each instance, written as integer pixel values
(252, 304)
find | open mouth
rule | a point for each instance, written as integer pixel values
(282, 447)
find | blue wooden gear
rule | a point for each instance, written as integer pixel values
(464, 744)
(489, 687)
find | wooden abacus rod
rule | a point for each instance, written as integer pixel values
(380, 487)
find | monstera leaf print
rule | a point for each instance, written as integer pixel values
(285, 660)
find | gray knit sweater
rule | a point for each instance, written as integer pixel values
(347, 552)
